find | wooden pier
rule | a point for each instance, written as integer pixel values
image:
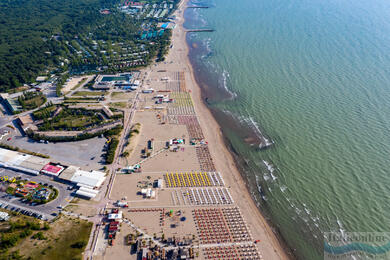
(200, 30)
(194, 6)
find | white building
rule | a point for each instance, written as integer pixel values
(159, 183)
(21, 162)
(86, 179)
(115, 216)
(4, 216)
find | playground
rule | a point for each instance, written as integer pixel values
(30, 191)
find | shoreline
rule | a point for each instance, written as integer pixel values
(271, 245)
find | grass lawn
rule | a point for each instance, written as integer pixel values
(34, 102)
(122, 95)
(89, 93)
(118, 104)
(71, 119)
(43, 111)
(80, 82)
(77, 101)
(80, 121)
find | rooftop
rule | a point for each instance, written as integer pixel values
(92, 179)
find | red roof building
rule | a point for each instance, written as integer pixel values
(52, 169)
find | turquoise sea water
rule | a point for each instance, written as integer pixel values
(314, 77)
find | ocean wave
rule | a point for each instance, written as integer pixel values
(250, 122)
(270, 169)
(259, 189)
(225, 77)
(206, 44)
(197, 16)
(341, 228)
(257, 130)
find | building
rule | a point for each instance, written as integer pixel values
(40, 78)
(136, 83)
(3, 96)
(87, 182)
(115, 216)
(90, 180)
(87, 192)
(67, 174)
(102, 85)
(3, 133)
(21, 162)
(25, 120)
(13, 105)
(52, 169)
(107, 111)
(159, 183)
(4, 216)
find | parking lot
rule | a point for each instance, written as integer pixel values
(86, 153)
(47, 211)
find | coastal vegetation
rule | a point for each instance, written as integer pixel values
(71, 120)
(110, 154)
(43, 37)
(112, 136)
(132, 140)
(60, 83)
(31, 100)
(23, 237)
(44, 112)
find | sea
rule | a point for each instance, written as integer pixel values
(301, 89)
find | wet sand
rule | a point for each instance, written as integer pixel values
(269, 245)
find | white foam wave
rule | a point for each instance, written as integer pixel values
(259, 133)
(271, 169)
(259, 187)
(225, 77)
(341, 228)
(207, 44)
(283, 188)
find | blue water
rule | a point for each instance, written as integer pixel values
(314, 77)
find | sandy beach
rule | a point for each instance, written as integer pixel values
(204, 199)
(269, 246)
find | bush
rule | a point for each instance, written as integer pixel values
(46, 226)
(25, 233)
(14, 256)
(38, 137)
(53, 195)
(8, 240)
(33, 225)
(10, 190)
(39, 236)
(79, 244)
(110, 155)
